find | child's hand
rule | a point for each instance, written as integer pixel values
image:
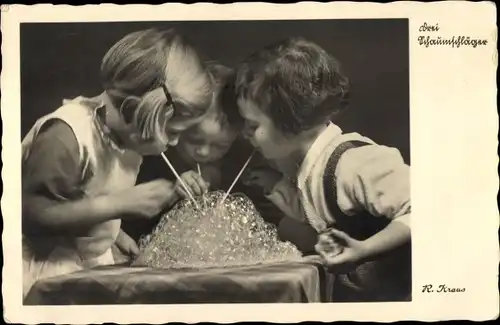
(195, 184)
(327, 246)
(127, 245)
(147, 200)
(340, 252)
(263, 177)
(311, 259)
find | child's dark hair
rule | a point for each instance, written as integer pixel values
(224, 79)
(296, 82)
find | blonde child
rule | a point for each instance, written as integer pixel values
(354, 193)
(81, 161)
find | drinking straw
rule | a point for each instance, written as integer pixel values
(199, 174)
(179, 178)
(199, 170)
(237, 177)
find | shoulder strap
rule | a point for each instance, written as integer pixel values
(330, 180)
(359, 226)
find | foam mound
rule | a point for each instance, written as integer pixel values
(214, 234)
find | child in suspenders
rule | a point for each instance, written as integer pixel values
(350, 196)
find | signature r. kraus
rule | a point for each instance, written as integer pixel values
(442, 288)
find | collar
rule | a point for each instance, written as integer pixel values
(99, 105)
(315, 151)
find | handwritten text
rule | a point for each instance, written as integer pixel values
(454, 41)
(442, 288)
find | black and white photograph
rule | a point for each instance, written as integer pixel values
(216, 162)
(232, 161)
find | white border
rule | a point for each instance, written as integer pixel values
(454, 126)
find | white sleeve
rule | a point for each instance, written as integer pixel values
(375, 178)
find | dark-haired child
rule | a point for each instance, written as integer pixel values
(354, 193)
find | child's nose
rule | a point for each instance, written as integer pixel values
(173, 139)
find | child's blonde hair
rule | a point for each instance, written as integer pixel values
(152, 75)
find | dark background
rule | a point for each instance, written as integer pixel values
(62, 60)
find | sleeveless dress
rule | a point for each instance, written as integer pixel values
(105, 168)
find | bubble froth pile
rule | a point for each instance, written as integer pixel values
(214, 235)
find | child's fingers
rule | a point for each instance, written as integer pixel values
(197, 186)
(134, 249)
(181, 191)
(337, 234)
(324, 257)
(190, 191)
(329, 247)
(311, 259)
(326, 248)
(325, 240)
(193, 185)
(340, 259)
(335, 262)
(318, 248)
(202, 184)
(187, 180)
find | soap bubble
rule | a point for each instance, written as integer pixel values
(216, 234)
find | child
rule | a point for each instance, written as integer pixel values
(80, 162)
(353, 192)
(209, 141)
(215, 145)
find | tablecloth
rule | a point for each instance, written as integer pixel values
(287, 282)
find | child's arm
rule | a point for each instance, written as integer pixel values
(354, 252)
(376, 179)
(393, 236)
(52, 198)
(276, 189)
(62, 216)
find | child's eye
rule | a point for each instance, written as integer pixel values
(222, 146)
(181, 110)
(182, 115)
(185, 114)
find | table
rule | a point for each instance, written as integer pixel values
(287, 282)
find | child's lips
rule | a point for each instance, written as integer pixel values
(202, 160)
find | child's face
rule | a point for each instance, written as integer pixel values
(262, 132)
(206, 142)
(175, 126)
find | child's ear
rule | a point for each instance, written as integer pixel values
(128, 107)
(129, 130)
(134, 136)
